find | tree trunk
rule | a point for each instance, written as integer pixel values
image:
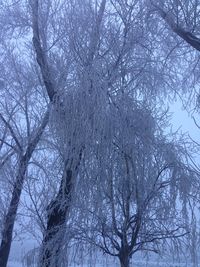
(16, 193)
(11, 214)
(57, 212)
(124, 262)
(124, 256)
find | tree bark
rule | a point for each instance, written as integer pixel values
(11, 214)
(40, 53)
(124, 256)
(187, 36)
(124, 261)
(16, 193)
(57, 212)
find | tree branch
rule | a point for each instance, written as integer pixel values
(187, 36)
(40, 54)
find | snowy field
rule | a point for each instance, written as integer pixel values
(135, 264)
(19, 249)
(14, 264)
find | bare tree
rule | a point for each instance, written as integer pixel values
(134, 201)
(88, 58)
(22, 129)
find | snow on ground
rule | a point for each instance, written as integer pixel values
(138, 264)
(14, 264)
(19, 250)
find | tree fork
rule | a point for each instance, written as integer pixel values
(16, 194)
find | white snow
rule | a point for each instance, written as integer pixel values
(14, 264)
(136, 264)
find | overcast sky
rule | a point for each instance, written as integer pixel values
(183, 120)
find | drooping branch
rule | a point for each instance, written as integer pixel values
(187, 36)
